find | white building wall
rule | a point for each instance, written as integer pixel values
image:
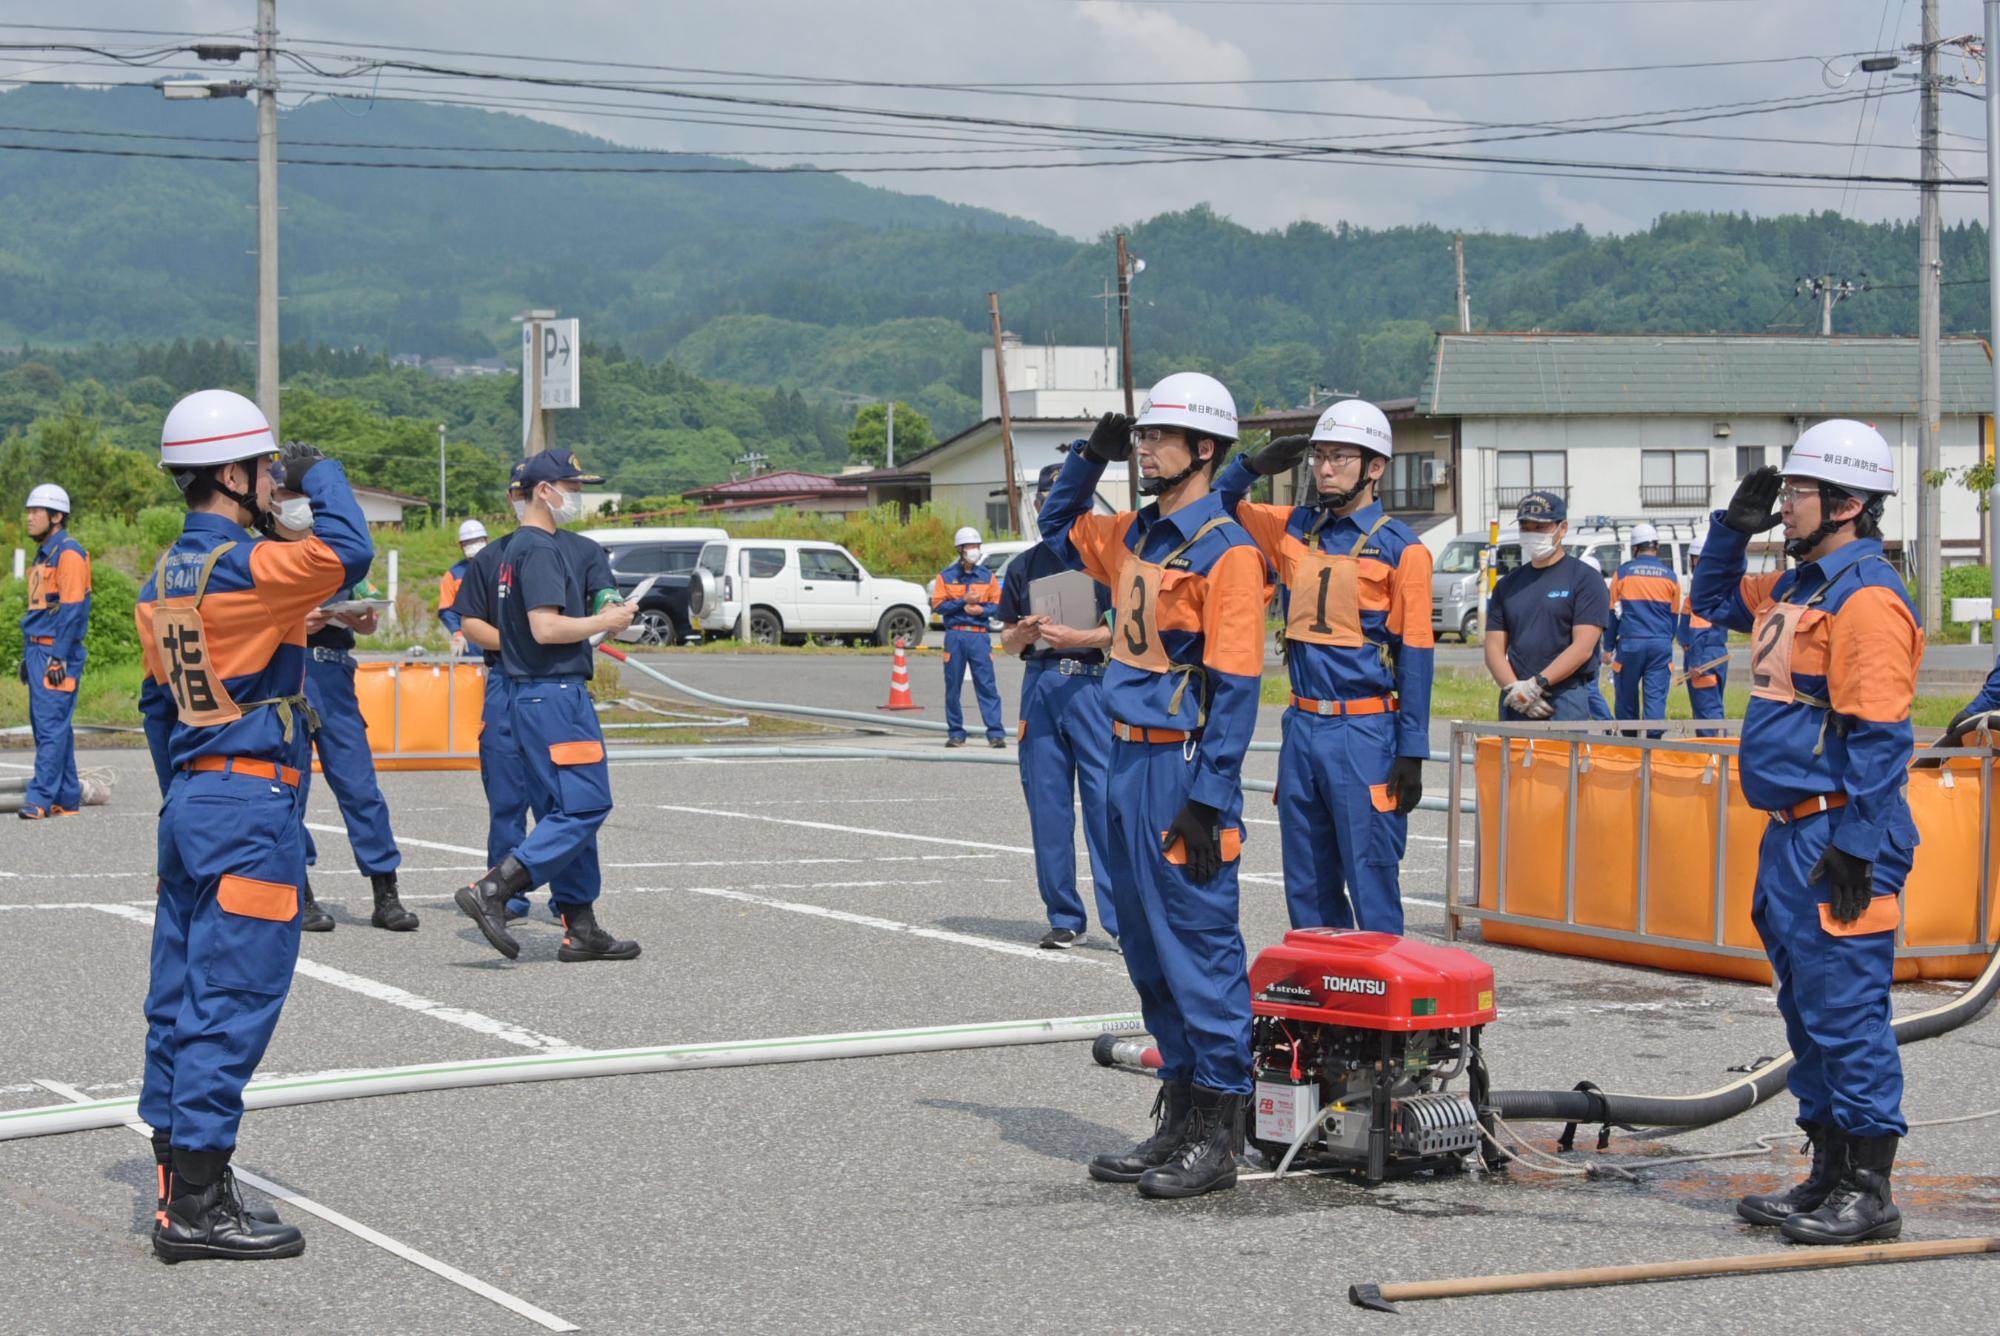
(965, 482)
(1603, 459)
(1086, 374)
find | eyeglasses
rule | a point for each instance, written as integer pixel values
(1321, 458)
(1791, 496)
(1153, 435)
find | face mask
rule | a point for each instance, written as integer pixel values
(566, 507)
(295, 513)
(1536, 547)
(471, 549)
(520, 508)
(971, 555)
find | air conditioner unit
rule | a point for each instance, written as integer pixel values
(1434, 471)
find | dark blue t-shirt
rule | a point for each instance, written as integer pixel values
(562, 570)
(1537, 606)
(1029, 565)
(476, 592)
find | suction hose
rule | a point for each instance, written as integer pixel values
(1740, 1095)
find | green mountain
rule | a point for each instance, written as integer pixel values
(816, 283)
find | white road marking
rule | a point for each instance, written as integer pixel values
(341, 831)
(479, 1023)
(848, 830)
(540, 1317)
(886, 925)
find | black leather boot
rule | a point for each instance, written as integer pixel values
(163, 1168)
(1829, 1148)
(485, 901)
(1170, 1116)
(209, 1220)
(584, 940)
(1205, 1161)
(1859, 1209)
(311, 917)
(389, 912)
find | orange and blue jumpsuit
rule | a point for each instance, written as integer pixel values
(1705, 664)
(1187, 661)
(52, 632)
(1826, 747)
(449, 585)
(1645, 613)
(222, 625)
(968, 643)
(1357, 593)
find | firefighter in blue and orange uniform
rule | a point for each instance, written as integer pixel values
(222, 626)
(549, 583)
(1065, 739)
(1187, 651)
(500, 771)
(471, 539)
(1704, 655)
(1645, 613)
(1357, 589)
(52, 631)
(965, 595)
(1826, 744)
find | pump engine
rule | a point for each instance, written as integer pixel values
(1356, 1037)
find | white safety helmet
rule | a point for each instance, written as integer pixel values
(214, 427)
(1700, 541)
(1643, 533)
(1850, 455)
(1190, 400)
(49, 497)
(470, 530)
(1357, 422)
(966, 537)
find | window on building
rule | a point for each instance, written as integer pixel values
(1749, 458)
(996, 517)
(1673, 477)
(1403, 485)
(1523, 471)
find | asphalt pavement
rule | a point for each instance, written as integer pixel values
(937, 1192)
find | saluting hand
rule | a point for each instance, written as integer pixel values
(1111, 439)
(1754, 508)
(1279, 456)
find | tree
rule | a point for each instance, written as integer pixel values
(868, 438)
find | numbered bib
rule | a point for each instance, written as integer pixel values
(1135, 636)
(200, 699)
(1323, 598)
(1771, 645)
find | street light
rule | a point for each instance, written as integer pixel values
(193, 90)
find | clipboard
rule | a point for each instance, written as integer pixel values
(1067, 598)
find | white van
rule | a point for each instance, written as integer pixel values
(793, 588)
(1607, 541)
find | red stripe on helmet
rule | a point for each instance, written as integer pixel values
(210, 440)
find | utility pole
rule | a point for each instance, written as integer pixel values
(440, 475)
(1125, 358)
(1929, 536)
(1829, 290)
(1992, 435)
(1464, 298)
(1007, 417)
(267, 212)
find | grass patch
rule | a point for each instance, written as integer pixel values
(107, 695)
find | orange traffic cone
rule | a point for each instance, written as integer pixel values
(899, 684)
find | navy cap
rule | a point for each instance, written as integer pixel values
(514, 474)
(553, 466)
(1542, 507)
(1047, 478)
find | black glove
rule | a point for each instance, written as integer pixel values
(1111, 439)
(297, 460)
(1406, 783)
(24, 670)
(1754, 508)
(1281, 455)
(1852, 881)
(1198, 827)
(56, 675)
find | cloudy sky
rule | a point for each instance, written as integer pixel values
(1767, 85)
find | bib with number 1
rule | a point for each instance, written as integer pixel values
(1323, 594)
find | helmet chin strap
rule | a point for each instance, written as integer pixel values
(1335, 500)
(1160, 486)
(249, 501)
